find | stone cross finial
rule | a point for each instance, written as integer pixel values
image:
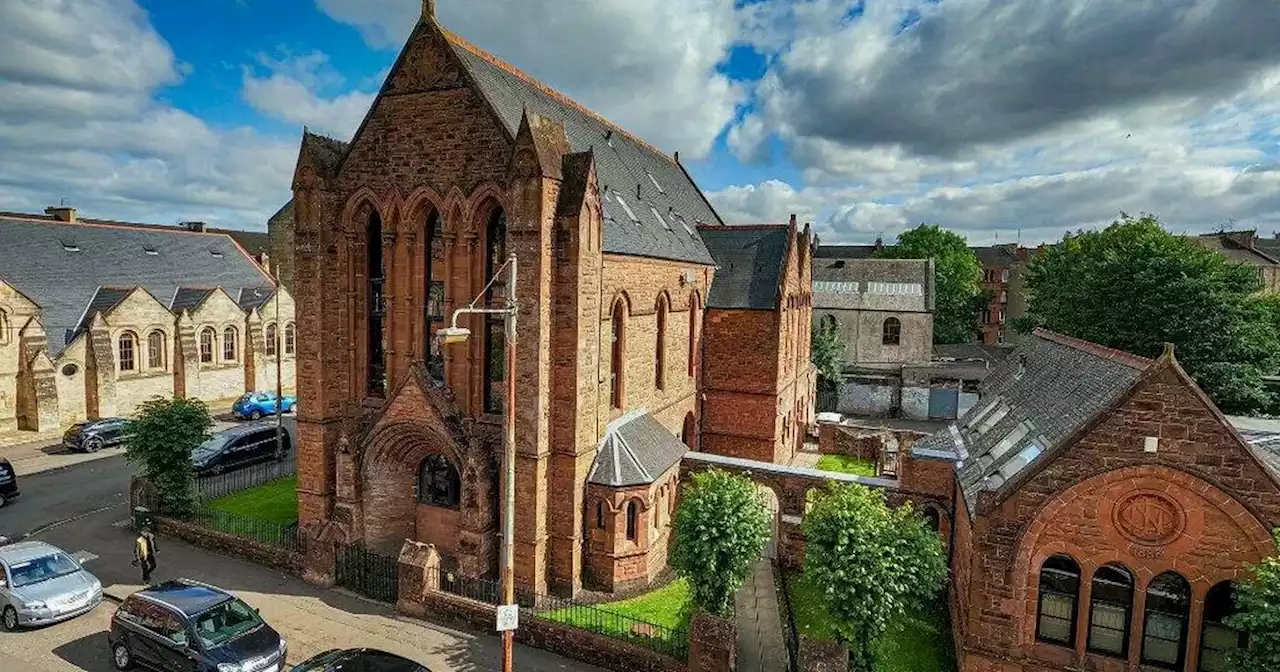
(428, 9)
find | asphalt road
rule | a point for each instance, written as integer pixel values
(62, 494)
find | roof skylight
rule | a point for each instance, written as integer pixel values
(1024, 457)
(665, 225)
(993, 419)
(654, 180)
(626, 207)
(1010, 440)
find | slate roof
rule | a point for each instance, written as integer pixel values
(899, 285)
(995, 256)
(36, 259)
(636, 450)
(844, 252)
(749, 265)
(103, 300)
(189, 298)
(1238, 246)
(1268, 246)
(253, 297)
(651, 208)
(1049, 387)
(253, 242)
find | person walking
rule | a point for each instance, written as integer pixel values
(144, 554)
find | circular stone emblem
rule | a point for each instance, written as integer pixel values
(1149, 518)
(70, 369)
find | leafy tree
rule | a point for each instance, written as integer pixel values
(721, 526)
(1258, 598)
(873, 563)
(161, 439)
(827, 351)
(1134, 286)
(956, 275)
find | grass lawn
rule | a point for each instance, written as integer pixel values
(669, 607)
(274, 502)
(846, 465)
(921, 642)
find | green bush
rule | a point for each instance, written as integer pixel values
(721, 526)
(160, 442)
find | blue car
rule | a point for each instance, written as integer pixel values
(257, 404)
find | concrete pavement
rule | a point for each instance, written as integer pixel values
(312, 619)
(761, 647)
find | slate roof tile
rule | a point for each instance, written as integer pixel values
(749, 265)
(636, 450)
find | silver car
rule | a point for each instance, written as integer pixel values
(42, 584)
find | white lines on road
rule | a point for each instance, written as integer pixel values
(83, 556)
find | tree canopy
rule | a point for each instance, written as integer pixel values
(956, 275)
(827, 350)
(721, 526)
(1134, 286)
(160, 442)
(1258, 599)
(873, 562)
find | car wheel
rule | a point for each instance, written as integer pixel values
(3, 501)
(121, 657)
(255, 415)
(93, 445)
(10, 619)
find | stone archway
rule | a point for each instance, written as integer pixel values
(774, 505)
(392, 512)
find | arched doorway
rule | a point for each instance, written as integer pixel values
(775, 514)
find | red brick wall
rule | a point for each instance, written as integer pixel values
(1219, 500)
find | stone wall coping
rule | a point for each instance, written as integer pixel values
(786, 470)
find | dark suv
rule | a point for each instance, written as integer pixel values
(95, 435)
(184, 626)
(238, 447)
(8, 482)
(358, 660)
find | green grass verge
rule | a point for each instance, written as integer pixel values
(921, 642)
(846, 465)
(669, 607)
(274, 502)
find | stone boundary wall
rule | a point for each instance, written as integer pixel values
(252, 550)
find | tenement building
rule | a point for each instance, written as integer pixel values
(461, 161)
(1104, 511)
(98, 316)
(757, 379)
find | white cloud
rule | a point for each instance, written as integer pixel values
(79, 119)
(292, 92)
(651, 67)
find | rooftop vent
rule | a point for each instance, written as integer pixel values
(150, 250)
(217, 254)
(69, 245)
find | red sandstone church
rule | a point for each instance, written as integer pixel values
(460, 161)
(1103, 509)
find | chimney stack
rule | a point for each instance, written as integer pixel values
(62, 213)
(198, 227)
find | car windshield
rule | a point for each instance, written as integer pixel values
(225, 622)
(210, 447)
(42, 569)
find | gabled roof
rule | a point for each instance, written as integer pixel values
(61, 265)
(102, 301)
(845, 251)
(285, 213)
(636, 450)
(254, 297)
(1049, 387)
(749, 262)
(898, 285)
(189, 298)
(651, 207)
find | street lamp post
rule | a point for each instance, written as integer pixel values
(455, 334)
(279, 378)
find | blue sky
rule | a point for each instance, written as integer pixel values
(1001, 120)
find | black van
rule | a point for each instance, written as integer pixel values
(8, 482)
(240, 447)
(185, 626)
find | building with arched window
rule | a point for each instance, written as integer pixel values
(1104, 510)
(462, 162)
(97, 317)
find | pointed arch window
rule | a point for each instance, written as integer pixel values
(128, 344)
(1059, 591)
(207, 337)
(695, 324)
(438, 482)
(433, 289)
(1110, 608)
(156, 349)
(495, 344)
(892, 332)
(633, 520)
(1164, 632)
(618, 356)
(290, 339)
(375, 270)
(660, 347)
(229, 345)
(4, 327)
(600, 514)
(271, 339)
(1217, 639)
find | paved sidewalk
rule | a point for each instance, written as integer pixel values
(761, 647)
(310, 618)
(43, 451)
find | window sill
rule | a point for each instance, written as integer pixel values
(220, 366)
(142, 375)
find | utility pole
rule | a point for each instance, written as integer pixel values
(456, 334)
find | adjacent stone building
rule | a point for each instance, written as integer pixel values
(1104, 510)
(98, 316)
(758, 381)
(1245, 247)
(461, 161)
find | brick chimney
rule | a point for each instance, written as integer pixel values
(198, 227)
(62, 213)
